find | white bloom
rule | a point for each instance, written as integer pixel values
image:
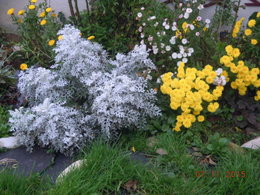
(197, 34)
(158, 80)
(192, 27)
(167, 26)
(173, 40)
(139, 14)
(168, 48)
(151, 18)
(185, 60)
(144, 24)
(174, 28)
(184, 55)
(207, 25)
(200, 7)
(199, 18)
(174, 55)
(150, 38)
(181, 16)
(155, 49)
(207, 21)
(142, 8)
(142, 35)
(188, 10)
(156, 24)
(184, 41)
(162, 45)
(179, 55)
(190, 50)
(219, 71)
(163, 51)
(158, 34)
(178, 63)
(164, 23)
(140, 29)
(186, 15)
(163, 33)
(174, 23)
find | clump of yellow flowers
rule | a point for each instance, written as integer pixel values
(190, 92)
(244, 75)
(237, 27)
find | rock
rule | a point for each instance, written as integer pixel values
(70, 168)
(9, 142)
(161, 151)
(235, 147)
(25, 163)
(253, 144)
(139, 157)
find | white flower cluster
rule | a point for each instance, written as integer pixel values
(220, 79)
(84, 94)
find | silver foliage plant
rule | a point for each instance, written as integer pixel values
(84, 94)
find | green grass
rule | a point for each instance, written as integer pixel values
(108, 167)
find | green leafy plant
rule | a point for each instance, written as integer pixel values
(4, 127)
(216, 145)
(37, 25)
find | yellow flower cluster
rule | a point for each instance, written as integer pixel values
(237, 27)
(244, 75)
(188, 91)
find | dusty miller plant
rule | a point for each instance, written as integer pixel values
(83, 94)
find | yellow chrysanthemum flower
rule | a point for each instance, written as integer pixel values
(258, 15)
(21, 12)
(43, 22)
(51, 42)
(60, 37)
(42, 14)
(248, 32)
(251, 23)
(254, 41)
(201, 118)
(34, 1)
(91, 37)
(10, 11)
(49, 9)
(31, 7)
(23, 66)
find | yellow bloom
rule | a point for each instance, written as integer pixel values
(248, 32)
(54, 15)
(31, 6)
(251, 23)
(10, 11)
(201, 118)
(34, 1)
(42, 15)
(21, 12)
(236, 52)
(49, 9)
(254, 41)
(133, 149)
(23, 66)
(60, 37)
(258, 15)
(229, 49)
(51, 42)
(91, 37)
(205, 29)
(43, 22)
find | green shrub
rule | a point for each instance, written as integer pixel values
(4, 127)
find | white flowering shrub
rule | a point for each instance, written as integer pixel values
(84, 94)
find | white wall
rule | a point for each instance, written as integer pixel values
(62, 5)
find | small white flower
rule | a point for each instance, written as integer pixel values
(149, 77)
(185, 60)
(219, 71)
(207, 25)
(184, 55)
(199, 18)
(168, 48)
(192, 27)
(167, 27)
(151, 18)
(144, 24)
(200, 7)
(142, 8)
(174, 55)
(163, 51)
(174, 23)
(189, 54)
(140, 29)
(139, 14)
(156, 24)
(186, 15)
(163, 33)
(158, 34)
(174, 28)
(179, 55)
(150, 38)
(142, 35)
(164, 23)
(142, 42)
(178, 63)
(155, 49)
(162, 45)
(197, 34)
(207, 21)
(173, 40)
(190, 50)
(184, 41)
(188, 10)
(181, 16)
(158, 80)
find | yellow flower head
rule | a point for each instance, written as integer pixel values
(60, 37)
(251, 23)
(43, 22)
(42, 14)
(10, 11)
(91, 37)
(31, 7)
(236, 52)
(49, 9)
(34, 1)
(258, 15)
(201, 118)
(133, 149)
(23, 66)
(248, 32)
(51, 42)
(254, 41)
(21, 12)
(54, 15)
